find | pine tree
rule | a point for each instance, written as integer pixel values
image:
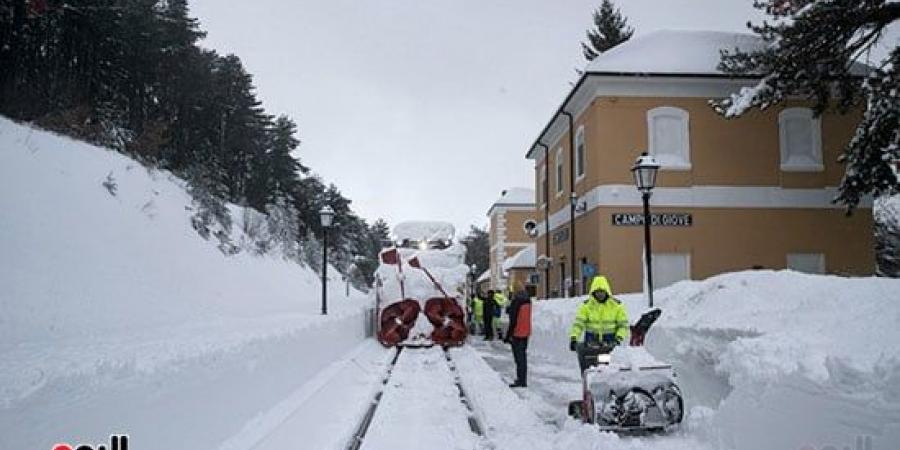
(130, 74)
(887, 236)
(369, 248)
(478, 245)
(820, 49)
(610, 29)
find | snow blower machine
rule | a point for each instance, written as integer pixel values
(404, 293)
(626, 390)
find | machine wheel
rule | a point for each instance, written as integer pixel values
(576, 409)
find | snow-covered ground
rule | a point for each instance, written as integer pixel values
(116, 316)
(766, 360)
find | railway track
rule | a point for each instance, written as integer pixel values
(421, 397)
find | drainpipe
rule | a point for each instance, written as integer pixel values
(545, 190)
(572, 196)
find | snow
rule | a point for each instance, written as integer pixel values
(516, 196)
(673, 52)
(768, 359)
(310, 411)
(886, 213)
(116, 317)
(509, 423)
(429, 230)
(523, 259)
(114, 312)
(420, 407)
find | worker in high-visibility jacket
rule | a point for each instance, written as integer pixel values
(501, 300)
(601, 323)
(477, 312)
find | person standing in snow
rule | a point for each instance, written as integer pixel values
(500, 302)
(518, 332)
(477, 313)
(489, 305)
(601, 323)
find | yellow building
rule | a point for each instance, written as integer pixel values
(752, 192)
(509, 216)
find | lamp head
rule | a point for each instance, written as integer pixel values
(326, 216)
(644, 171)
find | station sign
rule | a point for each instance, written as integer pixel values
(656, 219)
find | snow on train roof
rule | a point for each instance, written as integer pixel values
(673, 52)
(431, 230)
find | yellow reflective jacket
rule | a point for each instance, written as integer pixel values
(500, 299)
(478, 308)
(600, 318)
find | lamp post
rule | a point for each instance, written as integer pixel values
(326, 217)
(644, 171)
(473, 272)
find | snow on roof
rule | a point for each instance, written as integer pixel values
(514, 196)
(673, 52)
(524, 259)
(418, 229)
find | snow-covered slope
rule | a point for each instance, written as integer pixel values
(771, 359)
(106, 289)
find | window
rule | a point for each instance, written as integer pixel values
(668, 137)
(806, 262)
(800, 138)
(559, 171)
(579, 153)
(669, 268)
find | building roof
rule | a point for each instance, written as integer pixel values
(673, 52)
(514, 196)
(524, 259)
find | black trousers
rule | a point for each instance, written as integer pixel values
(520, 356)
(488, 326)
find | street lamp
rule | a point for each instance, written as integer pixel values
(326, 217)
(473, 272)
(644, 171)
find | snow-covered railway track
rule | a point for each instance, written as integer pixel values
(421, 404)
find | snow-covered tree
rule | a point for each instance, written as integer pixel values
(887, 236)
(610, 29)
(821, 50)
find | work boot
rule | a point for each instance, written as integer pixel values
(518, 385)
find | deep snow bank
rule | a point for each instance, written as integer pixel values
(105, 287)
(785, 360)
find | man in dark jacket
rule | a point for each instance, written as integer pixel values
(517, 335)
(489, 306)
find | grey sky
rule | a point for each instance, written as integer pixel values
(424, 109)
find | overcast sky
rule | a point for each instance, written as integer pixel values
(424, 109)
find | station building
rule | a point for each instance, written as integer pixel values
(732, 194)
(508, 217)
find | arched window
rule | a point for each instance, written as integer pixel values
(668, 137)
(800, 138)
(559, 171)
(579, 153)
